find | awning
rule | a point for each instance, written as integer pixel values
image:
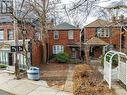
(95, 41)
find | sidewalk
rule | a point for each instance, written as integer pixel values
(27, 87)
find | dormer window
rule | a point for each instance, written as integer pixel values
(56, 35)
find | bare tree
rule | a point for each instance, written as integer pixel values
(42, 9)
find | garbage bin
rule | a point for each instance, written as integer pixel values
(33, 73)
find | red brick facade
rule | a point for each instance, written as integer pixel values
(36, 47)
(113, 39)
(63, 40)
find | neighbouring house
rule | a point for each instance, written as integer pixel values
(101, 36)
(64, 38)
(8, 38)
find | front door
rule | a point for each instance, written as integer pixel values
(10, 55)
(73, 54)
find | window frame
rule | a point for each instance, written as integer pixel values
(56, 33)
(104, 32)
(70, 35)
(10, 30)
(1, 36)
(58, 49)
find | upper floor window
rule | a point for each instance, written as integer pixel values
(103, 32)
(1, 34)
(56, 35)
(6, 6)
(70, 34)
(10, 34)
(58, 49)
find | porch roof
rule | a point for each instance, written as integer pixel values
(74, 45)
(95, 41)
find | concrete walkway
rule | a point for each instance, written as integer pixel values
(69, 82)
(27, 87)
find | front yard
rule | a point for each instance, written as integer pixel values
(55, 74)
(89, 81)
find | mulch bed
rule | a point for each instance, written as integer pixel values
(88, 81)
(55, 74)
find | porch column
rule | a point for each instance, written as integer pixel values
(87, 57)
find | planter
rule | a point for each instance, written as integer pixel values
(33, 73)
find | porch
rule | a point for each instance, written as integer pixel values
(94, 48)
(74, 53)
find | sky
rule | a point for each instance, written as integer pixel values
(103, 3)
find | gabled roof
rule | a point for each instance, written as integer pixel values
(98, 23)
(95, 41)
(65, 25)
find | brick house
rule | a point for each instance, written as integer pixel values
(64, 38)
(7, 39)
(105, 32)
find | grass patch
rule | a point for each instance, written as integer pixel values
(3, 66)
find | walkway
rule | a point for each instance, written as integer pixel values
(69, 82)
(27, 87)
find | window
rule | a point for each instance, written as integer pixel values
(56, 34)
(10, 34)
(58, 48)
(1, 34)
(6, 6)
(103, 32)
(70, 34)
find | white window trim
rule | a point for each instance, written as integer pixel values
(12, 31)
(72, 35)
(2, 36)
(104, 33)
(56, 33)
(58, 49)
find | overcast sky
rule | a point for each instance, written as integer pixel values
(103, 3)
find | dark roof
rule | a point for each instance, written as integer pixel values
(98, 23)
(65, 26)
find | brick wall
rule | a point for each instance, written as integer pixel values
(113, 39)
(36, 48)
(63, 40)
(36, 53)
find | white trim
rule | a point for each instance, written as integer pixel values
(70, 34)
(56, 33)
(58, 48)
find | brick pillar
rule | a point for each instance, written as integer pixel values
(87, 57)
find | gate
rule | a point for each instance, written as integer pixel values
(120, 72)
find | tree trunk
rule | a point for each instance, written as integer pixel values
(44, 58)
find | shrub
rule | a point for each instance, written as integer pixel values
(61, 57)
(89, 81)
(3, 66)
